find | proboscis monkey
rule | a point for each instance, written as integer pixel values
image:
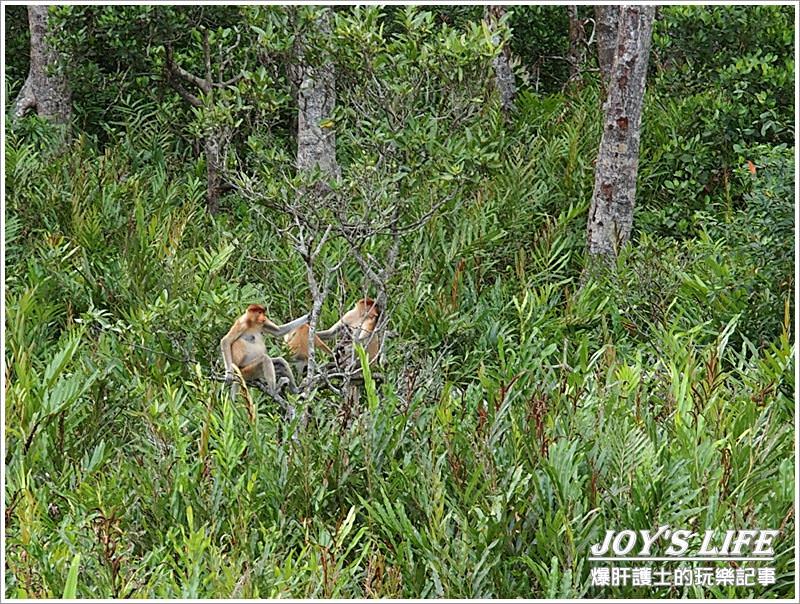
(297, 341)
(243, 346)
(359, 323)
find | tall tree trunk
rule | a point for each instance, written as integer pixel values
(577, 44)
(611, 212)
(316, 99)
(211, 146)
(503, 75)
(216, 137)
(45, 88)
(606, 28)
(316, 148)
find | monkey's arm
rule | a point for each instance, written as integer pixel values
(327, 334)
(282, 330)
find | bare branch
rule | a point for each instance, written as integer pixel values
(229, 82)
(185, 94)
(207, 54)
(179, 72)
(225, 63)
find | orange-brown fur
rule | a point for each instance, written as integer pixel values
(361, 322)
(297, 342)
(243, 346)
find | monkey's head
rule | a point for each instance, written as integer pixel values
(368, 308)
(256, 314)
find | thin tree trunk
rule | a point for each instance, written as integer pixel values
(503, 74)
(45, 89)
(316, 98)
(213, 172)
(217, 137)
(577, 44)
(611, 212)
(606, 27)
(316, 148)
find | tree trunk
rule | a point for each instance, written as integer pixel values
(611, 212)
(45, 89)
(217, 137)
(606, 29)
(577, 44)
(316, 99)
(213, 172)
(503, 75)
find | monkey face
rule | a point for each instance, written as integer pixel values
(256, 314)
(368, 308)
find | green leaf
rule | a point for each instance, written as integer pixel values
(61, 359)
(71, 586)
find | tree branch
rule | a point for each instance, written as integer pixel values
(185, 94)
(179, 72)
(207, 55)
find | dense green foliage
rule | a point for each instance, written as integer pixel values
(732, 70)
(526, 406)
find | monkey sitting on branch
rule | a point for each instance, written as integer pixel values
(297, 342)
(244, 350)
(357, 326)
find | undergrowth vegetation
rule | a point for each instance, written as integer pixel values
(525, 405)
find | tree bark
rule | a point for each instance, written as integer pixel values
(611, 212)
(316, 99)
(211, 146)
(606, 29)
(45, 88)
(216, 139)
(577, 44)
(503, 74)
